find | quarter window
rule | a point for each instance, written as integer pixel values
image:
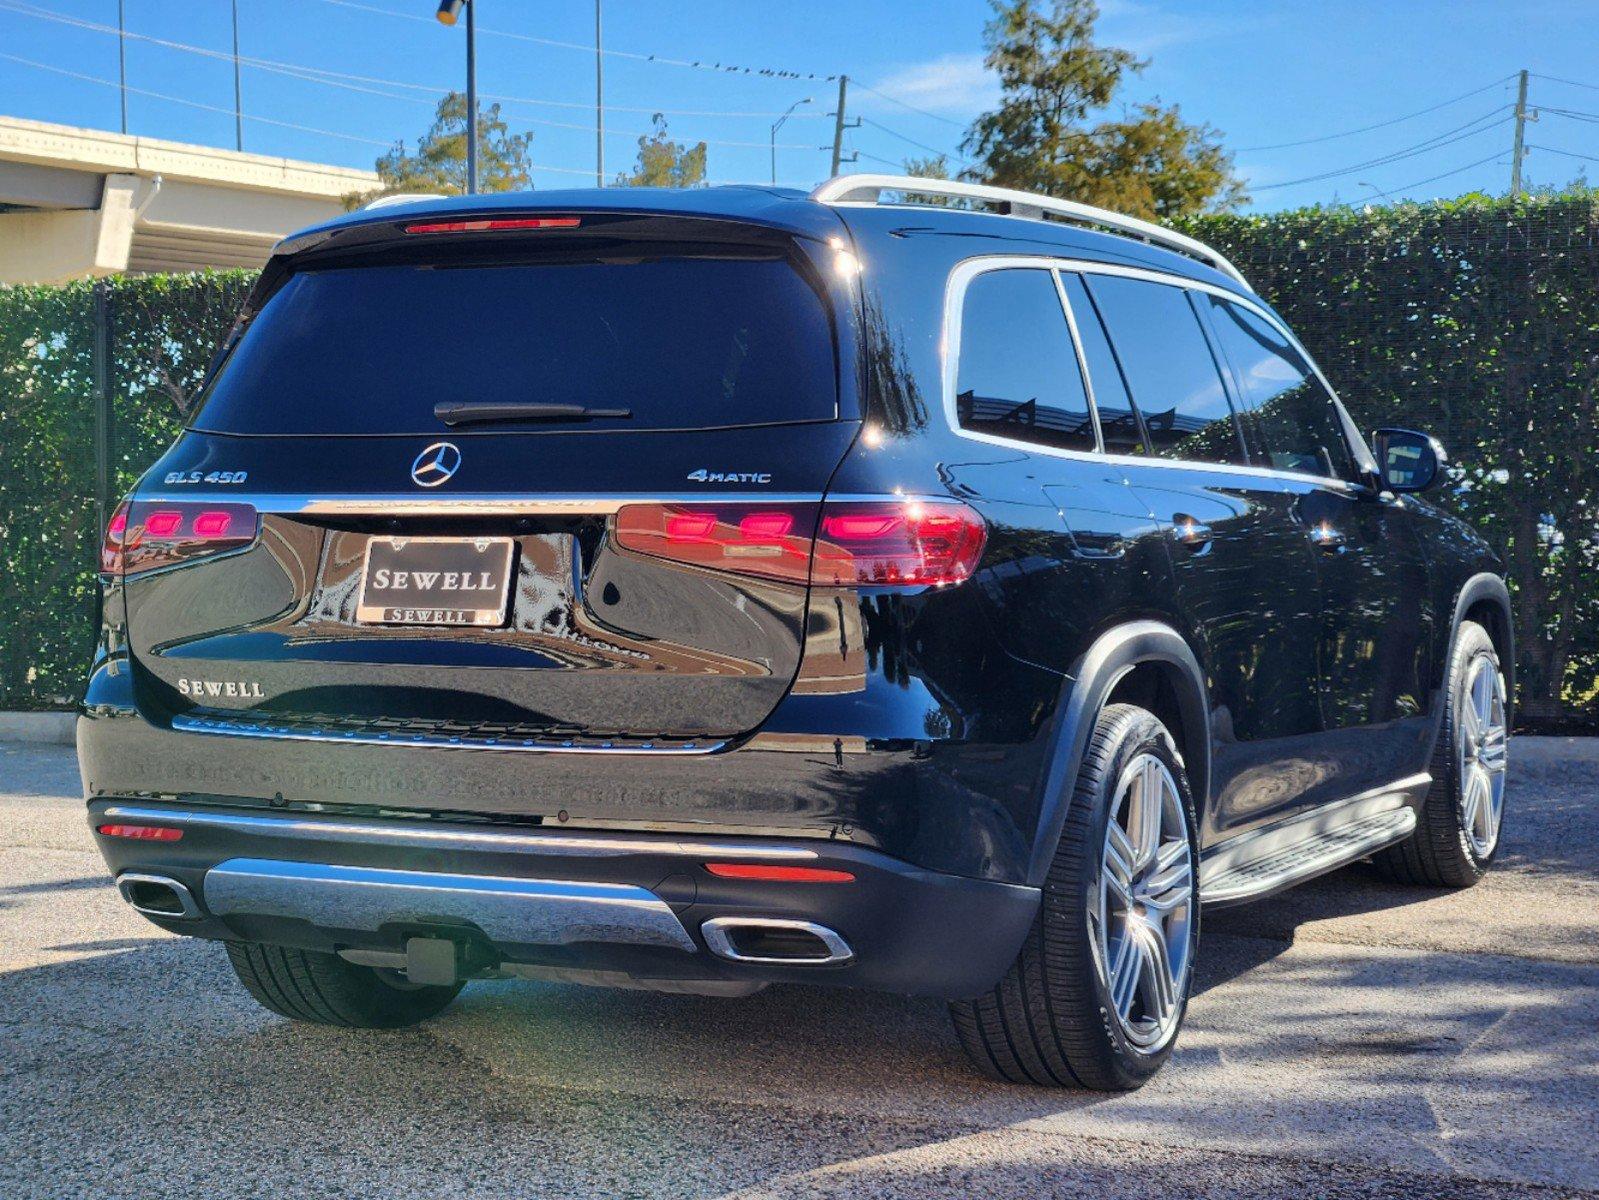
(1169, 369)
(1017, 373)
(1293, 415)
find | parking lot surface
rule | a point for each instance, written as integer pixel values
(1349, 1038)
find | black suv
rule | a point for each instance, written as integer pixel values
(913, 586)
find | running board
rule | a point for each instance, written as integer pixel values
(1272, 859)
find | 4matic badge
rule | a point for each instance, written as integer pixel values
(704, 476)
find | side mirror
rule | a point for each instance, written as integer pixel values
(1409, 461)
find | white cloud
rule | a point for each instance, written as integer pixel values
(956, 84)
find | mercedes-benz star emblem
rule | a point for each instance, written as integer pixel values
(436, 464)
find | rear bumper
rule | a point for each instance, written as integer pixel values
(632, 904)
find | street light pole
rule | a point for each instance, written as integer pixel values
(449, 10)
(778, 126)
(599, 102)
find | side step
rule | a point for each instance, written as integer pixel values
(1281, 859)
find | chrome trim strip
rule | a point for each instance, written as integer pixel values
(720, 943)
(184, 723)
(191, 910)
(1273, 858)
(955, 293)
(407, 834)
(392, 504)
(508, 911)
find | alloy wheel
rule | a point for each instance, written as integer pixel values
(1146, 904)
(1483, 744)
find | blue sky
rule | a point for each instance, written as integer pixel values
(1264, 72)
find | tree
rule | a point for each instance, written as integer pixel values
(663, 162)
(504, 161)
(934, 166)
(1047, 134)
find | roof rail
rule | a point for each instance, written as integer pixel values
(402, 198)
(866, 189)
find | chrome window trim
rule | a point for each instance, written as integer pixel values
(954, 297)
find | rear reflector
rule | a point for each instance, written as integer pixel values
(146, 535)
(495, 225)
(143, 833)
(778, 874)
(853, 543)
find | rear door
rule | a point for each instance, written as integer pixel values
(1376, 619)
(1245, 576)
(427, 454)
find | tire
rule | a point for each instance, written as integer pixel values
(1055, 1019)
(1459, 826)
(309, 985)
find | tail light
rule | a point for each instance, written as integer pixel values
(145, 535)
(853, 543)
(142, 833)
(495, 225)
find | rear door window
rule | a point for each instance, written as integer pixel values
(682, 343)
(1293, 414)
(1118, 422)
(1170, 370)
(1017, 374)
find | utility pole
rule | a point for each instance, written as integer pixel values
(838, 125)
(1520, 150)
(122, 65)
(471, 102)
(238, 104)
(449, 11)
(599, 103)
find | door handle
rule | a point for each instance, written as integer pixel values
(1188, 531)
(1326, 536)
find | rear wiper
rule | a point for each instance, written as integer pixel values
(477, 412)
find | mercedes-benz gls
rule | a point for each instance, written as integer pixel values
(703, 589)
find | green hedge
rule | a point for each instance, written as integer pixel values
(1476, 319)
(163, 332)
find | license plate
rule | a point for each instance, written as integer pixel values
(435, 581)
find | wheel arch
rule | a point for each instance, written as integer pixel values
(1142, 662)
(1485, 599)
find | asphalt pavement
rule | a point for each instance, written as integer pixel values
(1349, 1038)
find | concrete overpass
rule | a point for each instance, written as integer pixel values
(83, 202)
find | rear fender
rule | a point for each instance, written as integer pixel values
(1092, 678)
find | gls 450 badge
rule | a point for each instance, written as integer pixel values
(206, 476)
(704, 476)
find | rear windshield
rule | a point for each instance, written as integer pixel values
(681, 343)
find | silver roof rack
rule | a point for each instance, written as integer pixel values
(866, 190)
(401, 198)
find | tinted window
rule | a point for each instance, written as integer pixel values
(1017, 373)
(1118, 424)
(1292, 412)
(681, 342)
(1170, 369)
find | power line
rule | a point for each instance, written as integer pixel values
(1570, 82)
(1420, 112)
(358, 83)
(1567, 153)
(349, 137)
(324, 74)
(911, 140)
(724, 68)
(896, 100)
(1446, 174)
(1461, 132)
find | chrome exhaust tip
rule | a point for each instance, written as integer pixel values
(158, 896)
(778, 941)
